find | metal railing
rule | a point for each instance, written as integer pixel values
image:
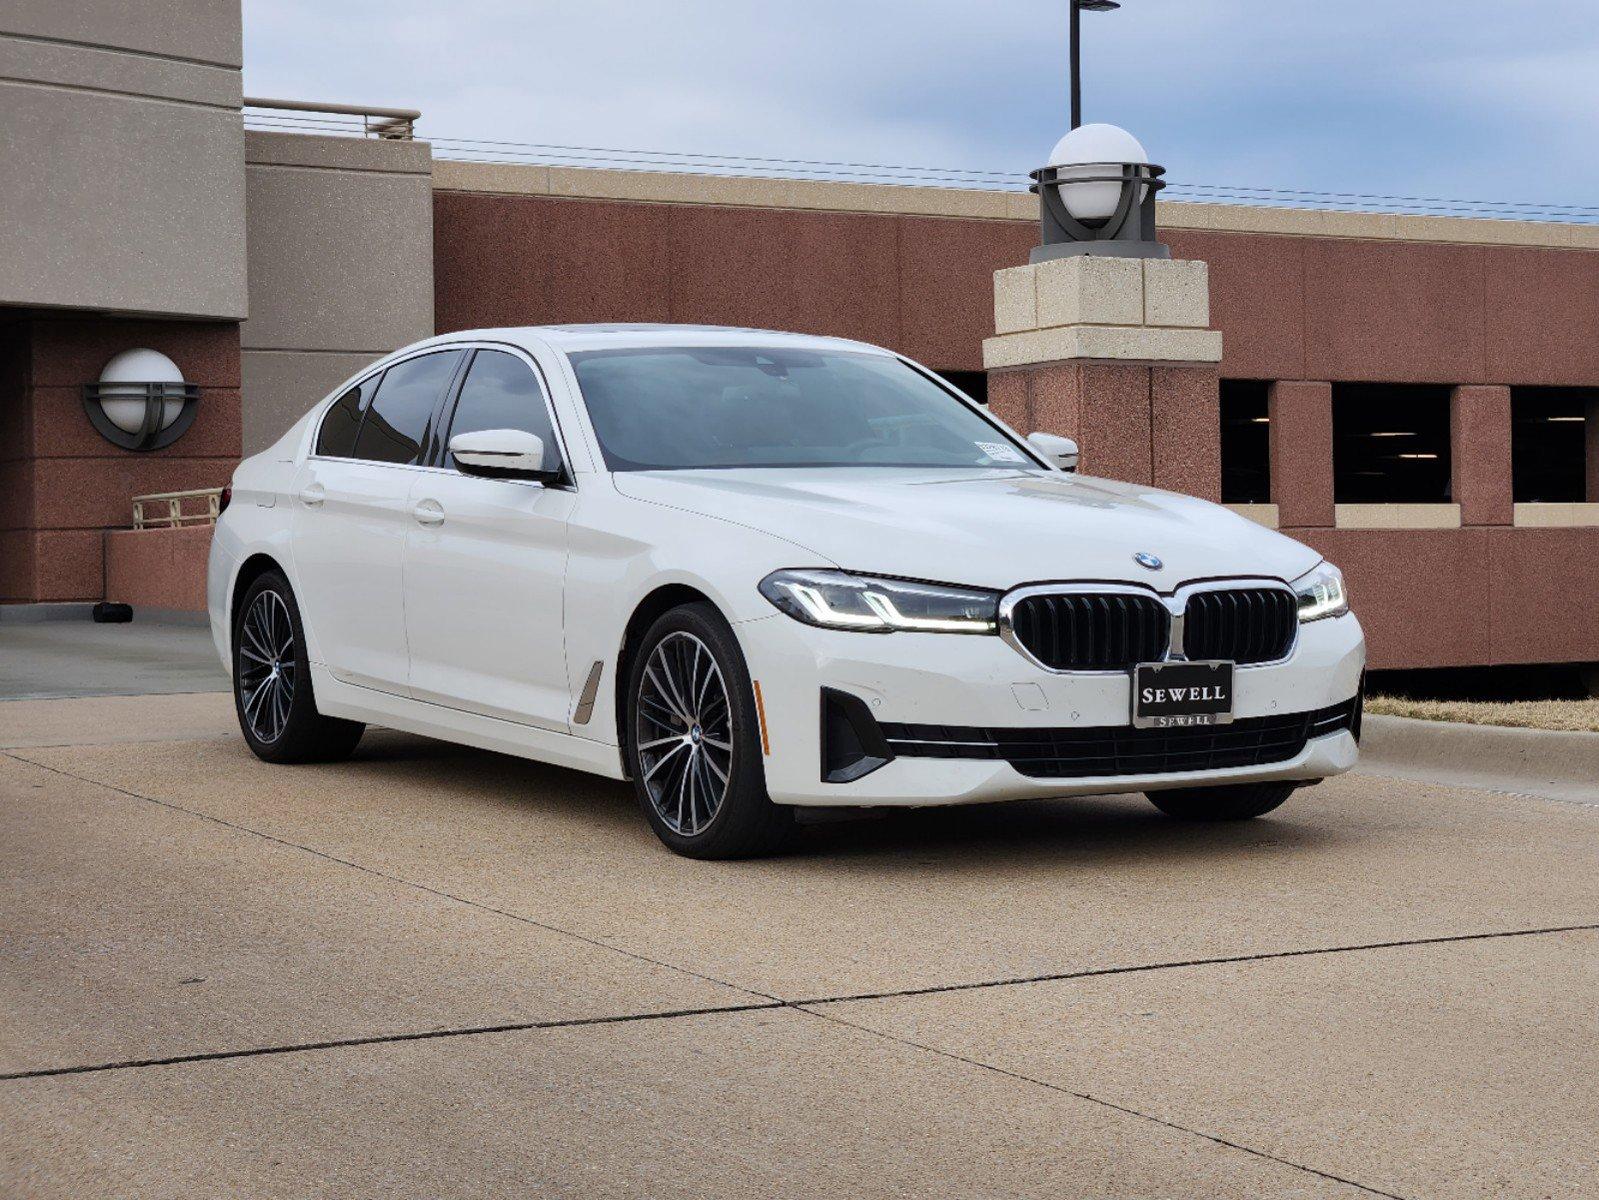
(176, 517)
(391, 124)
(353, 120)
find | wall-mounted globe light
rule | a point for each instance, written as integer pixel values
(1097, 196)
(140, 401)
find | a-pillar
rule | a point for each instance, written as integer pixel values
(1118, 354)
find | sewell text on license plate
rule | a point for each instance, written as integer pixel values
(1173, 695)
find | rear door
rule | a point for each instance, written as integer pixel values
(485, 562)
(351, 516)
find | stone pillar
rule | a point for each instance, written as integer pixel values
(1117, 353)
(1302, 454)
(1479, 453)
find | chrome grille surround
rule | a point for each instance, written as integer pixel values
(1175, 603)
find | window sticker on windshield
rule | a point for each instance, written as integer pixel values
(1000, 452)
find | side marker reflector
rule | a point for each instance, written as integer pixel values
(760, 714)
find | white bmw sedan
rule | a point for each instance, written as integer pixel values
(754, 571)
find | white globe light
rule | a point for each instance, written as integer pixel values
(137, 367)
(1089, 151)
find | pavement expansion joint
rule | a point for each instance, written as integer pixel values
(1177, 964)
(381, 1039)
(1124, 1109)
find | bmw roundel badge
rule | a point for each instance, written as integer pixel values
(1145, 559)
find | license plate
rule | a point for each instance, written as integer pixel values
(1177, 694)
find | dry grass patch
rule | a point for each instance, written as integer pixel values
(1578, 716)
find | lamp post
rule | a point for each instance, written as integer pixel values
(1077, 58)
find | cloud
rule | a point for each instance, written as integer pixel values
(1469, 99)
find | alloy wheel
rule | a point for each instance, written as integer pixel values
(266, 666)
(683, 732)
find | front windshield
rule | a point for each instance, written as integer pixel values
(686, 407)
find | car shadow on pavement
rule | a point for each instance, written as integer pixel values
(1095, 829)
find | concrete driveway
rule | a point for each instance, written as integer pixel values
(433, 972)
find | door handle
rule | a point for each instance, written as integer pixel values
(428, 512)
(313, 494)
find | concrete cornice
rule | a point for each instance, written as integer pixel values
(529, 179)
(269, 148)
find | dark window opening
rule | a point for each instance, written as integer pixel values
(501, 392)
(397, 419)
(342, 421)
(1549, 444)
(1390, 443)
(1245, 442)
(973, 383)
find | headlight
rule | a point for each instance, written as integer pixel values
(1321, 593)
(839, 600)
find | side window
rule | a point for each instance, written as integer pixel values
(342, 421)
(501, 392)
(397, 420)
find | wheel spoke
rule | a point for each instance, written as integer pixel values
(664, 697)
(716, 767)
(675, 694)
(252, 631)
(280, 706)
(252, 702)
(663, 760)
(673, 718)
(682, 787)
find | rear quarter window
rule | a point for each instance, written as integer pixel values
(342, 421)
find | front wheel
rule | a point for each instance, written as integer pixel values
(1239, 802)
(693, 740)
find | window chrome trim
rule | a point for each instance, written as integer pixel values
(1175, 602)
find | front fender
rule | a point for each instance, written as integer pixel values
(609, 575)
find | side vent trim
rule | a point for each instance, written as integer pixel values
(591, 689)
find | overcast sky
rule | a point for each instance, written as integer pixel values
(1474, 99)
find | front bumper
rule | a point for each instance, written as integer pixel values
(970, 681)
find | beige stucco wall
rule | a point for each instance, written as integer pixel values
(121, 157)
(823, 195)
(340, 266)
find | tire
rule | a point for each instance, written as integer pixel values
(1240, 802)
(272, 681)
(698, 774)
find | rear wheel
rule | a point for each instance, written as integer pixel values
(272, 681)
(1239, 802)
(694, 742)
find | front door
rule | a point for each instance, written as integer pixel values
(485, 564)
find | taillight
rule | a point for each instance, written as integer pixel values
(223, 500)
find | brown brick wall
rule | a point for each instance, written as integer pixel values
(61, 484)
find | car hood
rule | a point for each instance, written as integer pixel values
(988, 528)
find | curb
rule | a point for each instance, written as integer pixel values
(1537, 762)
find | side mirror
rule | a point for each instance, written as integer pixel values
(501, 454)
(1061, 451)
